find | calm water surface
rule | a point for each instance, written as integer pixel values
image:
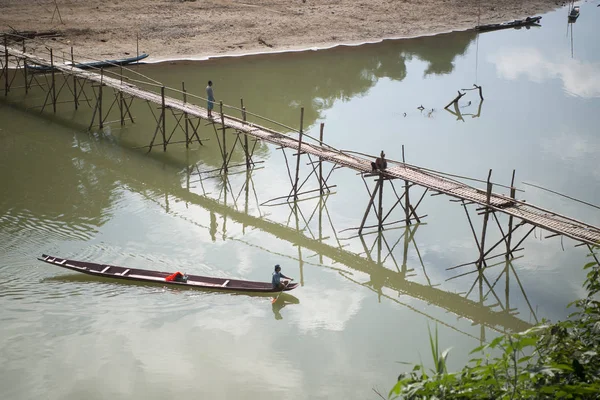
(364, 305)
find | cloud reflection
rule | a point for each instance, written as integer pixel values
(580, 78)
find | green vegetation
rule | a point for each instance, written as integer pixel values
(549, 361)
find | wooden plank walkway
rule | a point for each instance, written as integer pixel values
(537, 216)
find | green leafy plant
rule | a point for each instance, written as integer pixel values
(549, 361)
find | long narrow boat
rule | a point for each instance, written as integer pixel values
(94, 64)
(529, 21)
(144, 275)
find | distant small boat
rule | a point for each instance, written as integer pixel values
(166, 278)
(529, 21)
(574, 14)
(94, 64)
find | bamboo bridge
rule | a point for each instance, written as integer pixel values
(127, 90)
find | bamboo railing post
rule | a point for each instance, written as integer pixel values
(299, 154)
(485, 220)
(322, 191)
(53, 82)
(163, 115)
(224, 142)
(6, 81)
(406, 195)
(510, 218)
(100, 119)
(25, 70)
(186, 117)
(362, 223)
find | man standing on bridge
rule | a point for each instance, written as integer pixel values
(211, 98)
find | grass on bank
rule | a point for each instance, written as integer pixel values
(549, 361)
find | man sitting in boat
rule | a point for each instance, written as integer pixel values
(277, 275)
(380, 163)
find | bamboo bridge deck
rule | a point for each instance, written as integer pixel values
(536, 216)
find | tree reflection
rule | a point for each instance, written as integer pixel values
(278, 85)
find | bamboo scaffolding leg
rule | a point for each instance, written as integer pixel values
(53, 82)
(100, 119)
(185, 115)
(75, 98)
(380, 213)
(485, 221)
(223, 132)
(510, 218)
(246, 147)
(5, 72)
(95, 109)
(299, 154)
(163, 117)
(507, 286)
(322, 191)
(362, 224)
(25, 70)
(481, 300)
(406, 195)
(121, 108)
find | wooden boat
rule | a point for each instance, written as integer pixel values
(529, 21)
(94, 64)
(193, 281)
(574, 14)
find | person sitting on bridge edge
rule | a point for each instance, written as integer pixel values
(277, 275)
(380, 163)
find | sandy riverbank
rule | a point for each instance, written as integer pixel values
(197, 28)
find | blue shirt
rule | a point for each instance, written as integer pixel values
(277, 278)
(209, 93)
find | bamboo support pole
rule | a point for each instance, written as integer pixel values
(53, 81)
(163, 118)
(224, 137)
(121, 108)
(485, 221)
(406, 195)
(25, 70)
(100, 119)
(187, 118)
(321, 203)
(380, 213)
(75, 98)
(510, 218)
(299, 154)
(362, 224)
(246, 149)
(5, 66)
(320, 159)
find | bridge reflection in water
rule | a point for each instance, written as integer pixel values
(310, 228)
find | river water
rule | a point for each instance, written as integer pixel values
(365, 305)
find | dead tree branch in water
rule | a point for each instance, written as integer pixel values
(456, 99)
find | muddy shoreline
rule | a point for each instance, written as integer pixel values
(195, 30)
